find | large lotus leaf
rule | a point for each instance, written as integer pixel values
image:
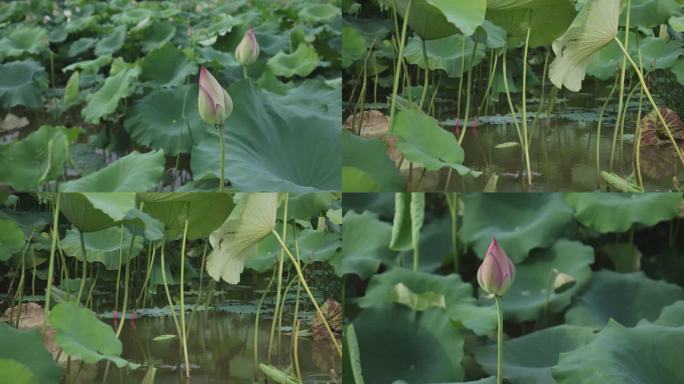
(18, 85)
(365, 241)
(423, 141)
(491, 35)
(460, 304)
(605, 63)
(135, 172)
(106, 99)
(89, 66)
(11, 239)
(370, 156)
(353, 46)
(526, 298)
(520, 222)
(205, 212)
(24, 39)
(434, 19)
(26, 347)
(160, 120)
(317, 245)
(272, 147)
(311, 96)
(435, 245)
(102, 246)
(678, 70)
(595, 26)
(528, 359)
(18, 372)
(112, 42)
(157, 34)
(166, 67)
(34, 160)
(672, 315)
(80, 46)
(397, 344)
(445, 53)
(83, 336)
(319, 13)
(515, 4)
(547, 20)
(659, 53)
(356, 179)
(624, 297)
(619, 212)
(304, 206)
(646, 354)
(301, 62)
(651, 13)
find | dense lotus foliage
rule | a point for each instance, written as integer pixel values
(103, 95)
(513, 95)
(598, 292)
(103, 287)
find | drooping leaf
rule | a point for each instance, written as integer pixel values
(166, 67)
(300, 63)
(25, 347)
(11, 239)
(672, 315)
(364, 244)
(434, 19)
(71, 90)
(18, 84)
(106, 99)
(23, 40)
(102, 246)
(18, 372)
(135, 172)
(369, 156)
(446, 54)
(112, 42)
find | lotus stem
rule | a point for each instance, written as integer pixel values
(524, 109)
(427, 73)
(308, 291)
(499, 341)
(397, 72)
(85, 261)
(598, 134)
(281, 262)
(244, 72)
(510, 101)
(222, 159)
(118, 270)
(622, 86)
(51, 264)
(168, 298)
(256, 324)
(639, 132)
(182, 301)
(125, 300)
(469, 87)
(650, 99)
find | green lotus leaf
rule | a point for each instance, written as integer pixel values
(304, 206)
(80, 46)
(23, 40)
(547, 20)
(423, 141)
(619, 355)
(434, 19)
(112, 42)
(18, 372)
(134, 15)
(135, 172)
(157, 35)
(619, 212)
(520, 222)
(252, 219)
(270, 146)
(102, 246)
(445, 53)
(461, 307)
(83, 336)
(89, 66)
(71, 90)
(491, 35)
(319, 13)
(34, 160)
(435, 245)
(677, 23)
(116, 87)
(605, 63)
(166, 67)
(18, 84)
(526, 298)
(651, 13)
(11, 239)
(26, 347)
(355, 179)
(678, 70)
(515, 4)
(658, 53)
(528, 359)
(317, 245)
(401, 223)
(595, 26)
(364, 244)
(624, 297)
(370, 156)
(397, 344)
(160, 120)
(311, 96)
(205, 212)
(353, 46)
(672, 315)
(300, 62)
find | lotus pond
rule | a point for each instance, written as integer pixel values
(107, 95)
(512, 95)
(170, 287)
(597, 293)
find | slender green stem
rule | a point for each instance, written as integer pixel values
(622, 86)
(244, 72)
(469, 87)
(639, 131)
(598, 134)
(510, 101)
(650, 99)
(499, 341)
(281, 262)
(85, 261)
(397, 72)
(222, 159)
(308, 292)
(426, 59)
(168, 298)
(124, 306)
(51, 264)
(256, 324)
(118, 270)
(524, 109)
(182, 302)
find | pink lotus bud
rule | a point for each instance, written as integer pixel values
(214, 103)
(247, 52)
(497, 272)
